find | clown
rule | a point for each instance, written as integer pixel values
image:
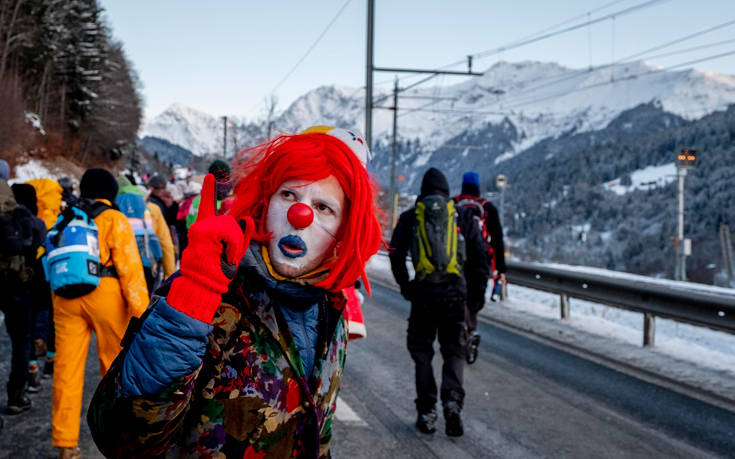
(242, 353)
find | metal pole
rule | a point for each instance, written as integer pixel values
(394, 153)
(502, 208)
(369, 75)
(681, 255)
(224, 141)
(649, 329)
(564, 303)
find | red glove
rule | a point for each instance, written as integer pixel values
(216, 245)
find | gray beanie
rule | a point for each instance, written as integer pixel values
(4, 170)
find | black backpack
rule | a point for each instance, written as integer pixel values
(16, 235)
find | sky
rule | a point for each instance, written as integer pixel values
(225, 57)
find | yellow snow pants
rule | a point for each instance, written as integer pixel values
(103, 311)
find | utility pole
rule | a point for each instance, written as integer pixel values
(369, 103)
(685, 160)
(502, 182)
(369, 76)
(394, 154)
(224, 141)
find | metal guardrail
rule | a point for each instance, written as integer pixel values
(653, 300)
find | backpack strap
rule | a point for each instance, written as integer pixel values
(67, 217)
(94, 208)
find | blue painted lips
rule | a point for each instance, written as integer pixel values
(292, 246)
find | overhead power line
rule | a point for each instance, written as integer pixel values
(679, 40)
(553, 80)
(549, 32)
(308, 51)
(311, 48)
(545, 36)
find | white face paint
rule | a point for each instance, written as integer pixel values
(293, 251)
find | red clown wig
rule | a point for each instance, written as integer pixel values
(312, 157)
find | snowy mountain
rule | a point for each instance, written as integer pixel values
(584, 151)
(488, 119)
(188, 128)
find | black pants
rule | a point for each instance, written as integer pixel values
(447, 320)
(476, 287)
(18, 321)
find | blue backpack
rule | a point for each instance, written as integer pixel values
(134, 208)
(72, 262)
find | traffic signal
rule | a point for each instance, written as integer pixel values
(687, 158)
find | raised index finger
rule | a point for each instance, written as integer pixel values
(207, 205)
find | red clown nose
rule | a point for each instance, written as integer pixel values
(300, 215)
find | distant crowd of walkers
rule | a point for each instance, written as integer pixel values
(76, 263)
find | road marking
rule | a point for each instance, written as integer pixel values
(347, 415)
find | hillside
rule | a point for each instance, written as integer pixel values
(561, 188)
(580, 147)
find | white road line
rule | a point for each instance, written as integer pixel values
(347, 415)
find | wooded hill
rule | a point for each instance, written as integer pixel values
(61, 69)
(557, 187)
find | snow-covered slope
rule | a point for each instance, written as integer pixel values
(538, 99)
(196, 131)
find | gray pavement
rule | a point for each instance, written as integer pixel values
(524, 400)
(28, 435)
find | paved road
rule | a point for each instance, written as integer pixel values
(28, 435)
(524, 400)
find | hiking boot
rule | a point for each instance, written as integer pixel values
(70, 453)
(18, 402)
(425, 422)
(39, 347)
(472, 345)
(48, 368)
(453, 420)
(34, 378)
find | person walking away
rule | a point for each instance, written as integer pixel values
(68, 198)
(151, 232)
(223, 183)
(161, 197)
(440, 239)
(49, 198)
(486, 216)
(36, 291)
(191, 192)
(106, 310)
(17, 251)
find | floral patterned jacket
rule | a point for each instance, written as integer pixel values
(247, 398)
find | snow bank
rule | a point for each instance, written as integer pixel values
(700, 347)
(33, 169)
(644, 179)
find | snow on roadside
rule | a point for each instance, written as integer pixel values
(697, 345)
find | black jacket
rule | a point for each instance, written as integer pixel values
(400, 245)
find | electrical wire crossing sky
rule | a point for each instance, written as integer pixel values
(227, 58)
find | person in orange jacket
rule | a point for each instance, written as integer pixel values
(121, 294)
(48, 195)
